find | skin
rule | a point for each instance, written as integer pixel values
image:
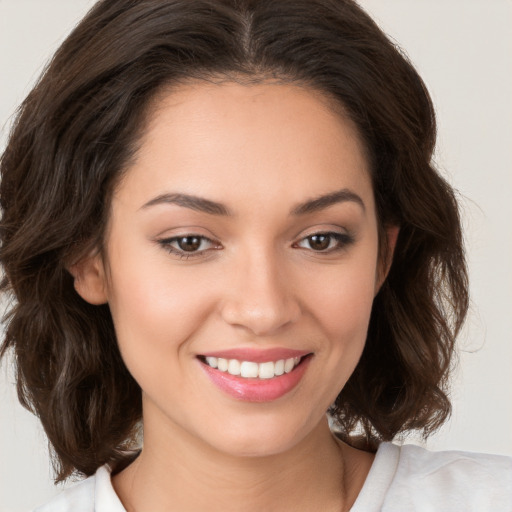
(259, 150)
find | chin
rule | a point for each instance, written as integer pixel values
(263, 437)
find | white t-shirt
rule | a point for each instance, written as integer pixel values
(401, 479)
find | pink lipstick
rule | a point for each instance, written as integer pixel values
(255, 375)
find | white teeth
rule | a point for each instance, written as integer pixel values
(266, 370)
(279, 367)
(249, 369)
(212, 361)
(289, 365)
(234, 367)
(252, 370)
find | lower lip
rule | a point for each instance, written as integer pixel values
(256, 390)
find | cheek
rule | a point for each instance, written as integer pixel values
(343, 305)
(344, 322)
(154, 308)
(342, 309)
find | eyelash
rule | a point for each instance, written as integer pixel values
(185, 255)
(343, 241)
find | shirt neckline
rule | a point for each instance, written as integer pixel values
(370, 498)
(381, 474)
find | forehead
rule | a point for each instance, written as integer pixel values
(270, 139)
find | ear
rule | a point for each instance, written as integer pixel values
(89, 278)
(385, 265)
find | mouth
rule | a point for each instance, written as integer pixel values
(252, 369)
(255, 381)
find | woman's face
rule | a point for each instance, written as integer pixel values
(244, 235)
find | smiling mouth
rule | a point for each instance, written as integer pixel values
(253, 370)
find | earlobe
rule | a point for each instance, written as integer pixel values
(89, 279)
(387, 258)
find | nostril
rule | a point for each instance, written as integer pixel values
(260, 319)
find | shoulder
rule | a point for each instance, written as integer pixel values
(94, 494)
(79, 497)
(449, 480)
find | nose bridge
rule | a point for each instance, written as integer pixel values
(260, 298)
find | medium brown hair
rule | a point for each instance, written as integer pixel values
(75, 134)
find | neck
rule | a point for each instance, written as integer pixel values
(178, 473)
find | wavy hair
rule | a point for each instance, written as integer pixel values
(78, 129)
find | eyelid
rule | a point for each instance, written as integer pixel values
(166, 242)
(343, 238)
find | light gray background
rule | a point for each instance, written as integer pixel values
(463, 50)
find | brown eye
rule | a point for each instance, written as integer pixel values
(326, 242)
(319, 242)
(189, 243)
(189, 246)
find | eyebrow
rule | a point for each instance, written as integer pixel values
(199, 204)
(319, 203)
(213, 208)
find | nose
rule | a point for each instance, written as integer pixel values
(260, 297)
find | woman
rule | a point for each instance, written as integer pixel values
(220, 221)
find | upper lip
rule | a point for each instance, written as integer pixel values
(257, 355)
